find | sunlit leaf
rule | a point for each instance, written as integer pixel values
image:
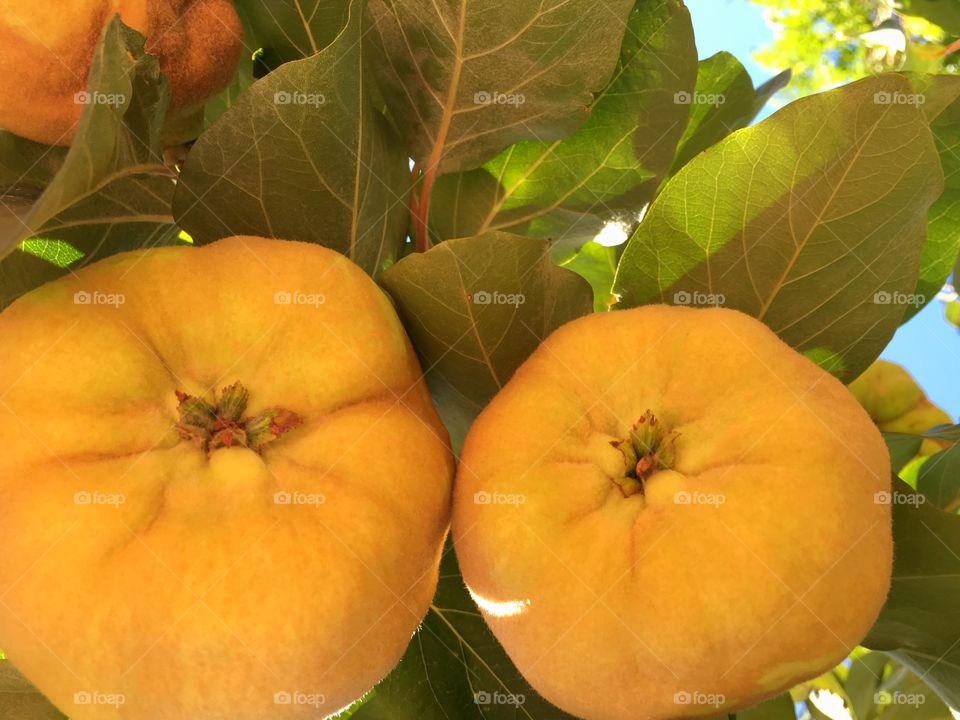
(812, 221)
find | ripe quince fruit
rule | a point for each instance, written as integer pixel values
(48, 48)
(224, 488)
(896, 403)
(667, 512)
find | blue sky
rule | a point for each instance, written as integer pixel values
(927, 346)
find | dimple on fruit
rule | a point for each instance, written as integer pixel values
(48, 48)
(204, 511)
(667, 512)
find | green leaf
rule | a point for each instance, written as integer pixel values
(941, 94)
(945, 13)
(294, 29)
(456, 410)
(302, 155)
(108, 192)
(903, 448)
(461, 203)
(776, 708)
(27, 166)
(764, 92)
(455, 668)
(613, 162)
(829, 682)
(724, 101)
(723, 96)
(597, 264)
(20, 700)
(812, 221)
(920, 622)
(904, 696)
(476, 307)
(464, 80)
(863, 679)
(939, 478)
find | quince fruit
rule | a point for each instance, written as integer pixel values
(48, 48)
(896, 403)
(224, 488)
(667, 512)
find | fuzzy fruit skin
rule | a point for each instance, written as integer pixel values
(200, 596)
(614, 606)
(896, 403)
(48, 48)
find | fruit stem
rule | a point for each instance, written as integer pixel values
(647, 450)
(212, 427)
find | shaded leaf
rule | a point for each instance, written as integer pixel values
(776, 708)
(455, 668)
(27, 166)
(302, 155)
(812, 221)
(464, 80)
(461, 202)
(945, 13)
(939, 478)
(456, 410)
(903, 448)
(904, 696)
(612, 163)
(920, 623)
(108, 192)
(476, 307)
(294, 29)
(20, 700)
